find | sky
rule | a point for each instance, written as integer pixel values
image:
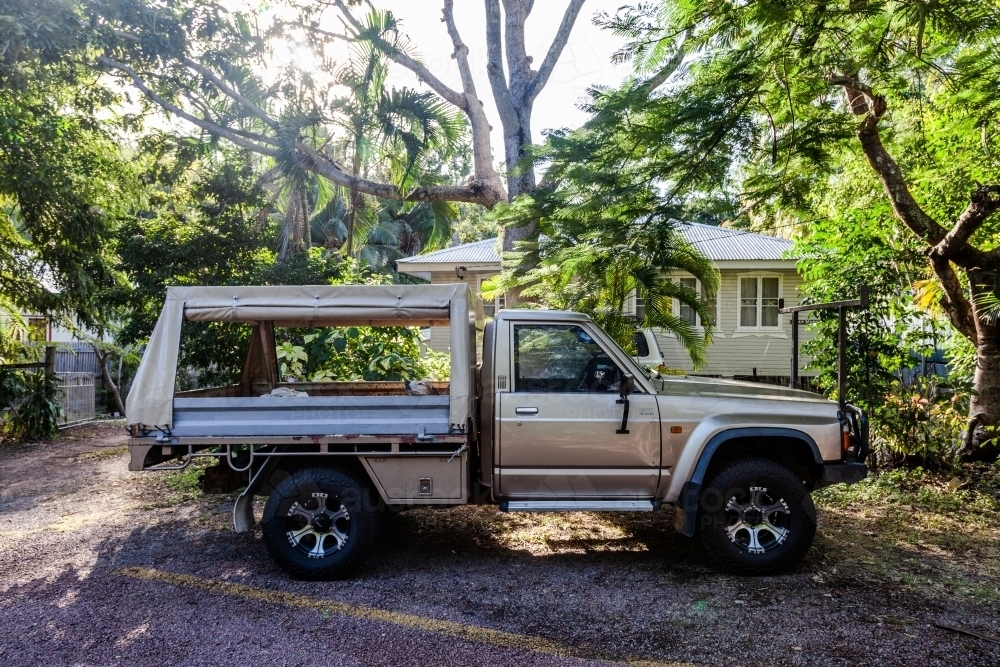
(585, 62)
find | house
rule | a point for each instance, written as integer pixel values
(752, 340)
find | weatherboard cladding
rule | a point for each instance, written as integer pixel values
(735, 353)
(716, 243)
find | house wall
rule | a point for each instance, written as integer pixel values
(738, 353)
(441, 336)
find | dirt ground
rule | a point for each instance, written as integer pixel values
(101, 566)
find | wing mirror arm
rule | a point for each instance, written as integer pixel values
(626, 387)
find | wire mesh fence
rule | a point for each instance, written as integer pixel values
(76, 396)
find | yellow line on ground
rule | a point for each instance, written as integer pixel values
(67, 524)
(472, 633)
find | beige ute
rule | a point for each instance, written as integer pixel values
(545, 413)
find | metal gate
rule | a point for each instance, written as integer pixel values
(76, 396)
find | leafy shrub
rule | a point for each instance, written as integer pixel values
(29, 403)
(437, 365)
(350, 353)
(922, 423)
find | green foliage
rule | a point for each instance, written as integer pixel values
(63, 189)
(475, 224)
(437, 365)
(202, 227)
(596, 248)
(350, 353)
(13, 333)
(391, 231)
(757, 88)
(922, 423)
(916, 423)
(29, 405)
(756, 113)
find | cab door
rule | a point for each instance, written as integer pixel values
(557, 426)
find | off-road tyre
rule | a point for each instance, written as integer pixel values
(345, 520)
(740, 538)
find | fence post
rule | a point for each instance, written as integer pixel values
(50, 360)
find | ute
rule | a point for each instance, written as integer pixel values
(544, 412)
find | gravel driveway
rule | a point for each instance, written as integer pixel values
(100, 566)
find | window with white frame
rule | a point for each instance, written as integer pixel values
(688, 313)
(758, 298)
(490, 306)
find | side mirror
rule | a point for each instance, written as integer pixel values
(627, 385)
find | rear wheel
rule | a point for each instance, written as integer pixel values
(319, 523)
(756, 517)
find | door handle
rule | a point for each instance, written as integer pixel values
(526, 411)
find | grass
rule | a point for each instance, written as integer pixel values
(908, 529)
(186, 481)
(918, 529)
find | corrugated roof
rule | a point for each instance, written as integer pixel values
(731, 245)
(480, 252)
(716, 243)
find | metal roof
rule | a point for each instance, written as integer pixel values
(732, 245)
(716, 243)
(480, 252)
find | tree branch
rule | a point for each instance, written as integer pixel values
(487, 188)
(482, 151)
(669, 67)
(984, 202)
(400, 58)
(555, 49)
(476, 192)
(461, 53)
(865, 102)
(494, 68)
(225, 88)
(208, 115)
(214, 78)
(213, 128)
(955, 303)
(518, 63)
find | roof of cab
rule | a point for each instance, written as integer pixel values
(535, 315)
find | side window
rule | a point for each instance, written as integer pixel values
(561, 358)
(641, 346)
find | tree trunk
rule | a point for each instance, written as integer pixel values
(520, 180)
(948, 249)
(102, 359)
(981, 441)
(350, 222)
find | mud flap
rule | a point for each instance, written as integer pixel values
(686, 510)
(243, 509)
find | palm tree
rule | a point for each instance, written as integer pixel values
(388, 129)
(394, 230)
(595, 267)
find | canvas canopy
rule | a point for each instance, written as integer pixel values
(150, 400)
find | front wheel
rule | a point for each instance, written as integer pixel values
(319, 523)
(756, 517)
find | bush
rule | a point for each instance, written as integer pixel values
(29, 403)
(437, 365)
(350, 353)
(921, 424)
